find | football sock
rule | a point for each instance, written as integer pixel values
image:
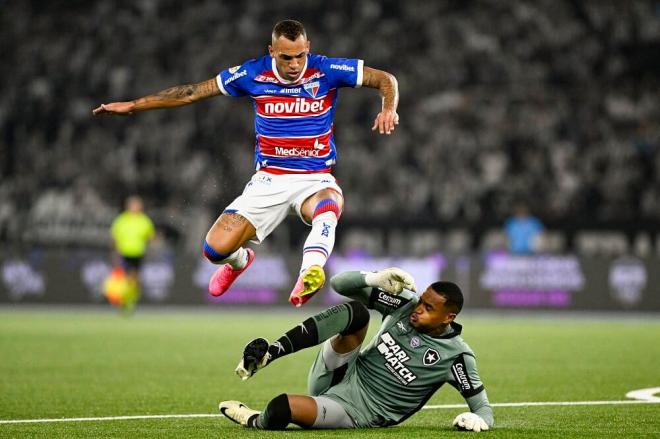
(276, 416)
(237, 259)
(344, 319)
(212, 255)
(321, 238)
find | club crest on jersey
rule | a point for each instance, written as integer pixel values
(431, 356)
(312, 88)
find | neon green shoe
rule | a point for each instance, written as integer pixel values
(308, 284)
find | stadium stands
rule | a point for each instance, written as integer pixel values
(551, 102)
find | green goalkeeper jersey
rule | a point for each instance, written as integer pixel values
(401, 368)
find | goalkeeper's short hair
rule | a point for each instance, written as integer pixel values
(452, 294)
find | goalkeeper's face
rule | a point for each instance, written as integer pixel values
(431, 316)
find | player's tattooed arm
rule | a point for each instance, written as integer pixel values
(172, 97)
(388, 87)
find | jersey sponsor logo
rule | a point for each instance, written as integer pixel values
(391, 301)
(312, 88)
(296, 152)
(264, 78)
(274, 106)
(317, 146)
(431, 356)
(460, 374)
(233, 70)
(415, 342)
(296, 90)
(235, 76)
(343, 67)
(300, 105)
(395, 359)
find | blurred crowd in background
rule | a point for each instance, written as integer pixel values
(554, 104)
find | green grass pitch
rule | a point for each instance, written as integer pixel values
(68, 364)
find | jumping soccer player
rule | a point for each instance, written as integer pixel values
(417, 349)
(294, 95)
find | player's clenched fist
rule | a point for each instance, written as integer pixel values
(392, 280)
(470, 421)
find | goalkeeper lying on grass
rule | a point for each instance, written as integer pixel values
(417, 349)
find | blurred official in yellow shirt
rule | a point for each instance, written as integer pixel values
(131, 231)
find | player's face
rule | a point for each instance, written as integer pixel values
(290, 56)
(430, 313)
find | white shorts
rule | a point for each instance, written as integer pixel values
(268, 198)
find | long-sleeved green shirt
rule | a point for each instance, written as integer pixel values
(401, 368)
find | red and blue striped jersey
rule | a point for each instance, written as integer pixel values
(293, 120)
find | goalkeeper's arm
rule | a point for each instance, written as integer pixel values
(480, 416)
(374, 288)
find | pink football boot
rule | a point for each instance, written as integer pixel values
(225, 275)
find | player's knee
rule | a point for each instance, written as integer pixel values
(278, 413)
(212, 254)
(327, 205)
(359, 318)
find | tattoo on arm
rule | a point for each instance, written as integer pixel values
(177, 92)
(178, 95)
(385, 83)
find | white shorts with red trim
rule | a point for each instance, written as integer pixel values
(268, 198)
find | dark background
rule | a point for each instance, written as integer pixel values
(554, 103)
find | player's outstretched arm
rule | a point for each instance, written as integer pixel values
(388, 87)
(169, 98)
(359, 285)
(351, 284)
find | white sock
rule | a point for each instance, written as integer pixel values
(318, 245)
(238, 259)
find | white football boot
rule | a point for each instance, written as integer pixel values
(238, 412)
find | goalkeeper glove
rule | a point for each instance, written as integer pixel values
(391, 280)
(470, 421)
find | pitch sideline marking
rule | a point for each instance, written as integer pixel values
(426, 407)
